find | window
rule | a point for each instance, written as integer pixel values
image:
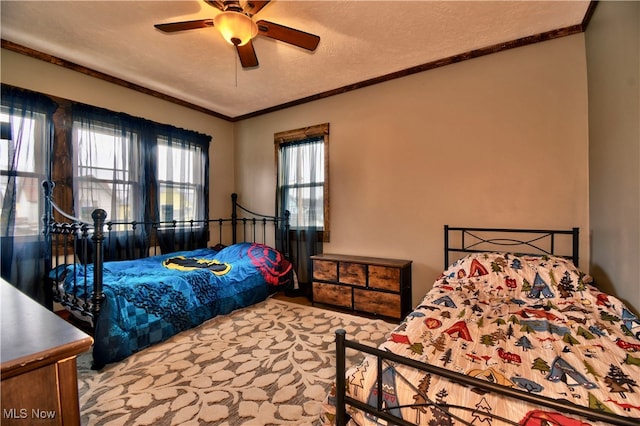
(303, 178)
(302, 182)
(137, 170)
(23, 154)
(26, 135)
(181, 178)
(97, 159)
(107, 171)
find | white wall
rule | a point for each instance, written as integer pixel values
(613, 51)
(500, 140)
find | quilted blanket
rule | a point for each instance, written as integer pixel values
(151, 299)
(534, 323)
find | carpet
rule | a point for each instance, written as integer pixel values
(269, 364)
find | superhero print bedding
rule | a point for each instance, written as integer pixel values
(151, 299)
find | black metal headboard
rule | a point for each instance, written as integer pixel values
(533, 241)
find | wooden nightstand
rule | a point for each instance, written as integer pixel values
(370, 285)
(39, 376)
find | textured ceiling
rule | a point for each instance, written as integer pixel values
(360, 40)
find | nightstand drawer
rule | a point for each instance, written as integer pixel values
(332, 294)
(383, 277)
(353, 273)
(326, 270)
(377, 303)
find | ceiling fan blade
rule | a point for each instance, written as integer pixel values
(186, 25)
(247, 55)
(215, 3)
(288, 35)
(254, 6)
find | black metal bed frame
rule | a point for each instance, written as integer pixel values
(539, 241)
(480, 237)
(68, 243)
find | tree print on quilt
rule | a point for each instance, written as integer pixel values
(533, 323)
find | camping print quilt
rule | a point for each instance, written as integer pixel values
(533, 323)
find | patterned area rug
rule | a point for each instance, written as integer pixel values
(270, 364)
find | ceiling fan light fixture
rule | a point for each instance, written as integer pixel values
(237, 28)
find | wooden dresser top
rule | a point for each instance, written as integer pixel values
(33, 336)
(397, 263)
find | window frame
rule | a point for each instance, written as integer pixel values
(36, 169)
(196, 152)
(127, 171)
(298, 135)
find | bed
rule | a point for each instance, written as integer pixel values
(132, 285)
(501, 338)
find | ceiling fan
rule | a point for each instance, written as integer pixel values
(236, 25)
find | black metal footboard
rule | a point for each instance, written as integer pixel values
(258, 227)
(385, 358)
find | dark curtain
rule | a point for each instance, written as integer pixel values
(182, 190)
(301, 188)
(305, 242)
(111, 152)
(144, 172)
(25, 156)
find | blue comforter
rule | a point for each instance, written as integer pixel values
(149, 300)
